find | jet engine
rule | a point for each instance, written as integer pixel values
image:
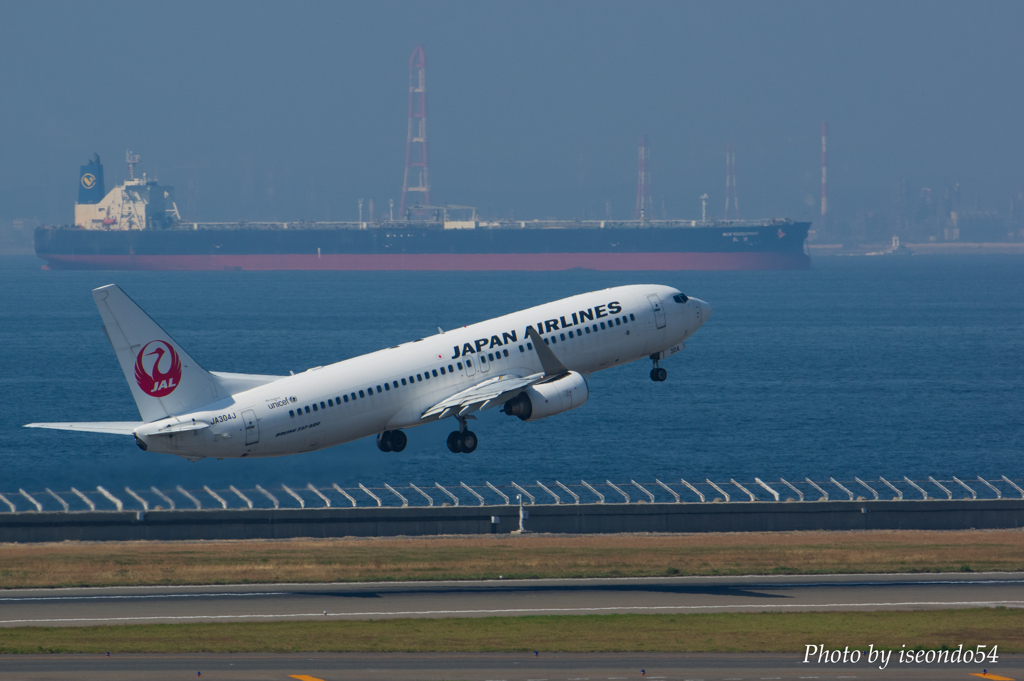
(552, 396)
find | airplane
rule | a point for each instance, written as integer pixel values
(534, 363)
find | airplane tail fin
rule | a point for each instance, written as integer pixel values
(164, 379)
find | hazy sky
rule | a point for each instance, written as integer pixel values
(295, 110)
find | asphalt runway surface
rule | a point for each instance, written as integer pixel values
(478, 667)
(284, 602)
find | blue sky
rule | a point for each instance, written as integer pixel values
(296, 110)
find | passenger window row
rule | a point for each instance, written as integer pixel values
(386, 387)
(491, 356)
(576, 333)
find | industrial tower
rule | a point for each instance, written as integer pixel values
(644, 204)
(730, 183)
(824, 166)
(416, 143)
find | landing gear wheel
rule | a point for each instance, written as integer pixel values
(384, 441)
(398, 440)
(455, 442)
(468, 442)
(661, 373)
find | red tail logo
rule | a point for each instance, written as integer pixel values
(157, 369)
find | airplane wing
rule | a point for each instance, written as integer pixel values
(499, 389)
(115, 427)
(481, 396)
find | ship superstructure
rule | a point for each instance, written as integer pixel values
(137, 203)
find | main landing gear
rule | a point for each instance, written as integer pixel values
(391, 441)
(462, 440)
(657, 373)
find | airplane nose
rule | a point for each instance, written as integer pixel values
(705, 311)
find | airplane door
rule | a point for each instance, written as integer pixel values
(485, 366)
(252, 427)
(470, 366)
(659, 312)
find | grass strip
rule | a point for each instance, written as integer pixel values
(730, 632)
(69, 564)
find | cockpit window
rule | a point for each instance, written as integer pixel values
(681, 298)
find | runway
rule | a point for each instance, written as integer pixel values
(478, 667)
(283, 602)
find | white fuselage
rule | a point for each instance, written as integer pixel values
(392, 388)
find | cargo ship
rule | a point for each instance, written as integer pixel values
(137, 226)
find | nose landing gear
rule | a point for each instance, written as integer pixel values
(657, 373)
(391, 441)
(462, 440)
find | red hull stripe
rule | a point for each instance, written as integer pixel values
(539, 262)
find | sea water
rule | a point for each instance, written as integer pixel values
(864, 367)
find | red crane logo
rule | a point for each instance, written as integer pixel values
(154, 381)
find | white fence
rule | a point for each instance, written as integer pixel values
(681, 490)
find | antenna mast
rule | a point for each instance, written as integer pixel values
(131, 159)
(644, 204)
(416, 142)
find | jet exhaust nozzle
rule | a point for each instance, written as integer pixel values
(520, 406)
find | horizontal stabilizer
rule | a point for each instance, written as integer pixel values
(115, 427)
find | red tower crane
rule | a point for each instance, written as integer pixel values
(730, 183)
(416, 166)
(644, 203)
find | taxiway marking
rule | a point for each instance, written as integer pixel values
(521, 611)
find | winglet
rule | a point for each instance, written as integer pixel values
(552, 367)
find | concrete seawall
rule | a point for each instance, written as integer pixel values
(570, 519)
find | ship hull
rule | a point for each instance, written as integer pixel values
(763, 247)
(536, 262)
